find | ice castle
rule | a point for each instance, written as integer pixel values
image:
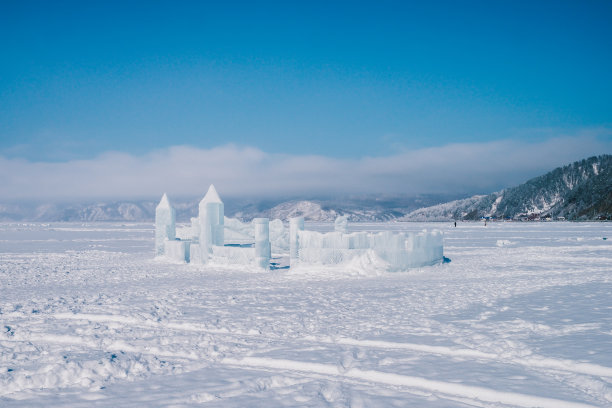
(215, 239)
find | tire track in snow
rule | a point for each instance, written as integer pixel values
(445, 388)
(535, 361)
(531, 362)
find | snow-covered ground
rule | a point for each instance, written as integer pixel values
(522, 316)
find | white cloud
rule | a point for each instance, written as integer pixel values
(247, 171)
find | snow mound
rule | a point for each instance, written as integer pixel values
(366, 264)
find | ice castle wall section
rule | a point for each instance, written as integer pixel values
(400, 250)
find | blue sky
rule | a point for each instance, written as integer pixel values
(339, 80)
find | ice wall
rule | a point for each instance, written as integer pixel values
(233, 255)
(195, 254)
(400, 250)
(165, 224)
(413, 250)
(176, 250)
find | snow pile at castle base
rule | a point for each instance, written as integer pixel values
(217, 240)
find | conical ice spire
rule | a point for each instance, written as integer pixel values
(211, 196)
(164, 202)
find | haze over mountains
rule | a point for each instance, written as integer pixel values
(579, 191)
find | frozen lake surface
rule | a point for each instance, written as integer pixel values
(522, 316)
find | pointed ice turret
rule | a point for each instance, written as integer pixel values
(211, 196)
(211, 213)
(165, 224)
(164, 202)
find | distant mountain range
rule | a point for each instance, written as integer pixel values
(579, 191)
(357, 208)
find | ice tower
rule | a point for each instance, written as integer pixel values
(211, 212)
(262, 242)
(165, 227)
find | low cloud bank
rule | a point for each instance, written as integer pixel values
(245, 171)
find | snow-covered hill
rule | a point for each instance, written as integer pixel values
(327, 210)
(307, 209)
(581, 190)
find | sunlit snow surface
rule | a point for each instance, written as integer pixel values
(522, 316)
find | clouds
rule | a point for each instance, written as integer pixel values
(246, 171)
